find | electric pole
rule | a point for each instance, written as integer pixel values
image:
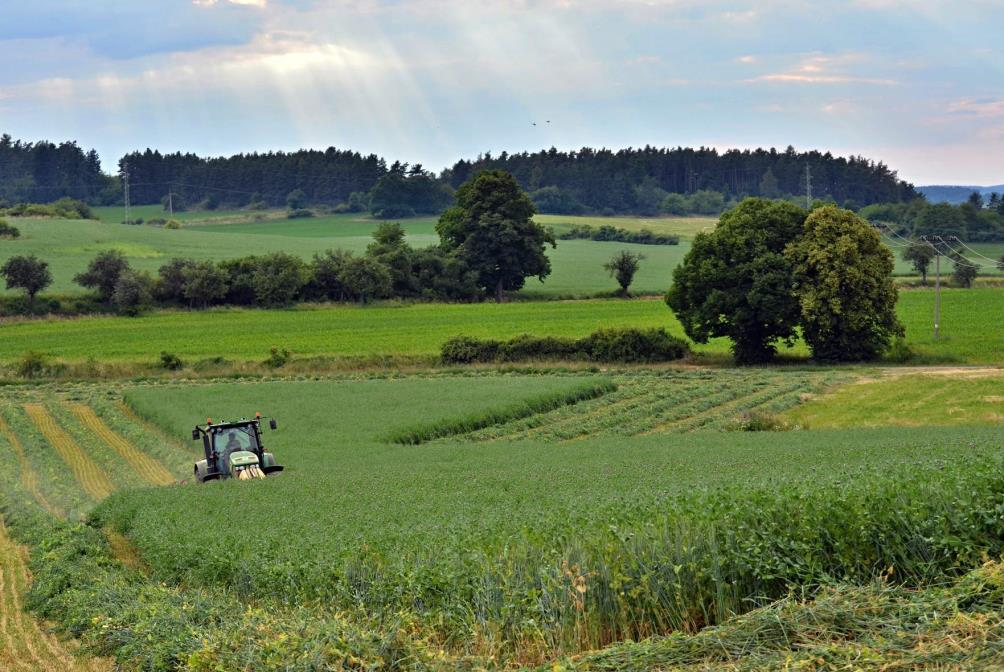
(125, 192)
(808, 187)
(937, 287)
(170, 204)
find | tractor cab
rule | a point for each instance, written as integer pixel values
(233, 450)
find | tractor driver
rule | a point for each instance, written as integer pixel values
(233, 445)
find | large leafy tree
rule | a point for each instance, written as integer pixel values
(492, 229)
(736, 282)
(103, 273)
(843, 282)
(28, 273)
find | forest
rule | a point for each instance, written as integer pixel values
(586, 181)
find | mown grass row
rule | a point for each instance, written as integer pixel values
(657, 402)
(497, 416)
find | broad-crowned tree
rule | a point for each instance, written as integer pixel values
(28, 273)
(843, 281)
(492, 229)
(103, 273)
(736, 281)
(920, 255)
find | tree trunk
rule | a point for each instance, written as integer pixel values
(499, 291)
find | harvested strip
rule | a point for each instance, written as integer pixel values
(25, 646)
(29, 477)
(148, 468)
(89, 475)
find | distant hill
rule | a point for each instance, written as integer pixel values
(955, 194)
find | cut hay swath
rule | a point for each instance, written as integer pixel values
(23, 644)
(29, 477)
(148, 468)
(88, 474)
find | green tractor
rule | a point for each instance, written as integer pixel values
(234, 450)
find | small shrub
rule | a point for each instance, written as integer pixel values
(900, 352)
(33, 365)
(635, 345)
(172, 224)
(299, 213)
(277, 358)
(170, 361)
(9, 231)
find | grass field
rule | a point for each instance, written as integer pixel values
(518, 525)
(937, 397)
(969, 329)
(577, 265)
(562, 526)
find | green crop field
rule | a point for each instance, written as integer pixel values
(494, 541)
(970, 332)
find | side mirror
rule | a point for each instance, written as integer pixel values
(195, 435)
(272, 424)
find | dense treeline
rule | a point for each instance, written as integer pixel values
(637, 180)
(327, 177)
(42, 172)
(703, 181)
(976, 220)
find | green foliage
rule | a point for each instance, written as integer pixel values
(33, 365)
(365, 279)
(133, 292)
(736, 282)
(402, 193)
(920, 255)
(64, 208)
(9, 231)
(170, 361)
(204, 283)
(555, 201)
(103, 273)
(278, 278)
(29, 273)
(606, 345)
(623, 266)
(843, 281)
(941, 219)
(492, 229)
(963, 271)
(277, 357)
(608, 233)
(300, 213)
(296, 200)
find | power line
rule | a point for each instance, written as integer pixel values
(995, 262)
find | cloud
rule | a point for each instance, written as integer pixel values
(826, 69)
(983, 108)
(125, 30)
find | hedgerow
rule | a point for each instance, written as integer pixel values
(606, 345)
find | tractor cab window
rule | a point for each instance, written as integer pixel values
(233, 439)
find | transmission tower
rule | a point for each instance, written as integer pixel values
(125, 192)
(808, 187)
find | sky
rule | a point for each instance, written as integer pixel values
(917, 84)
